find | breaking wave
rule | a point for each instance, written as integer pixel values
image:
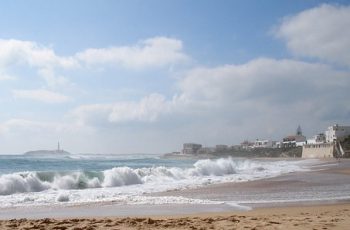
(217, 170)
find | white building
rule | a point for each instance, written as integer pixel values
(263, 144)
(337, 132)
(278, 144)
(191, 148)
(317, 139)
(206, 150)
(293, 141)
(246, 145)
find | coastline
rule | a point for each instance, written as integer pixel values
(266, 212)
(324, 183)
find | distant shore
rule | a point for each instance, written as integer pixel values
(251, 153)
(47, 153)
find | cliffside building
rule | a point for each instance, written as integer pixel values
(263, 144)
(294, 140)
(327, 145)
(337, 133)
(206, 150)
(246, 145)
(317, 139)
(191, 148)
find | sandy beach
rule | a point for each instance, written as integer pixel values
(282, 202)
(306, 217)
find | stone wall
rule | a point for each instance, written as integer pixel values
(324, 150)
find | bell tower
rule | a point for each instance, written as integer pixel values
(299, 132)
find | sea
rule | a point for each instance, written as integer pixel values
(81, 179)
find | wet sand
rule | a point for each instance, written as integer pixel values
(327, 182)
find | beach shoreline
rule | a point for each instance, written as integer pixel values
(270, 211)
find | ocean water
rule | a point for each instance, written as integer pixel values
(122, 179)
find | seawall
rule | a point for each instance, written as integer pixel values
(324, 150)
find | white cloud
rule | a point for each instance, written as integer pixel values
(264, 81)
(14, 124)
(153, 52)
(223, 104)
(148, 109)
(31, 56)
(52, 79)
(15, 52)
(91, 113)
(25, 126)
(5, 77)
(264, 98)
(257, 99)
(275, 88)
(322, 32)
(40, 95)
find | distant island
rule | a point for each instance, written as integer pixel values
(56, 152)
(47, 152)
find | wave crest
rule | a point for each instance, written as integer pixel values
(124, 176)
(121, 176)
(219, 167)
(20, 183)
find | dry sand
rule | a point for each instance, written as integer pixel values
(336, 216)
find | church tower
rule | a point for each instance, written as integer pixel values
(299, 132)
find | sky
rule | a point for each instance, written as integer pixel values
(147, 76)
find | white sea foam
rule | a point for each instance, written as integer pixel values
(62, 197)
(21, 182)
(217, 170)
(128, 185)
(121, 176)
(219, 167)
